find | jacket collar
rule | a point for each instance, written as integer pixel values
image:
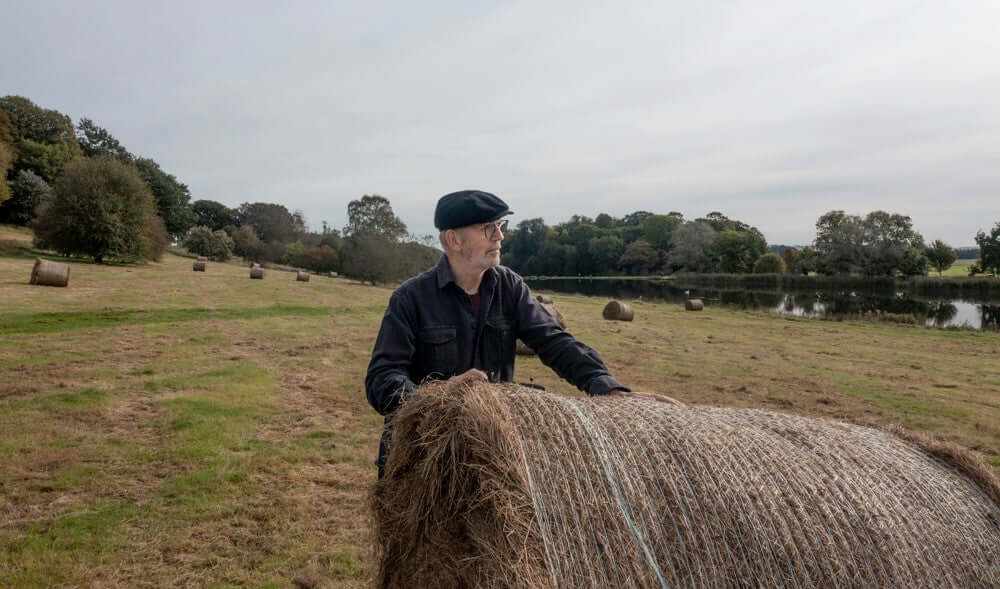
(446, 277)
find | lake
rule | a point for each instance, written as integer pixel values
(823, 304)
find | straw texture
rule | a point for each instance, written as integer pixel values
(503, 486)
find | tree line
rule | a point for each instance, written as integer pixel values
(86, 194)
(644, 243)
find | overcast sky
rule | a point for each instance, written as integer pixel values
(770, 115)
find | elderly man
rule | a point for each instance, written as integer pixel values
(462, 318)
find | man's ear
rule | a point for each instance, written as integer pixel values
(453, 239)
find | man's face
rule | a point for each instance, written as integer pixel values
(481, 243)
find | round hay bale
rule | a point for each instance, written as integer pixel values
(201, 259)
(334, 275)
(199, 266)
(544, 299)
(693, 305)
(257, 273)
(553, 311)
(618, 311)
(301, 276)
(504, 486)
(48, 273)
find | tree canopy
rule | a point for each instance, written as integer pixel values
(372, 214)
(101, 208)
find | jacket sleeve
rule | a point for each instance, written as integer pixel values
(388, 383)
(579, 364)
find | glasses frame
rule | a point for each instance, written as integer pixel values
(490, 229)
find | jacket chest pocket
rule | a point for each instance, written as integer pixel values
(438, 351)
(498, 343)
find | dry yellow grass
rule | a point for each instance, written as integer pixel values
(160, 426)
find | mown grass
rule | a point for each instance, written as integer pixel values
(162, 427)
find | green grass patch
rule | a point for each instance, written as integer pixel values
(23, 323)
(89, 398)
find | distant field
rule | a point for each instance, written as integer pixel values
(164, 427)
(959, 268)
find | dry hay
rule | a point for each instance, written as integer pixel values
(199, 266)
(693, 305)
(257, 272)
(301, 276)
(521, 348)
(47, 273)
(617, 310)
(503, 486)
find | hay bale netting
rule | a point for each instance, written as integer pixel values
(257, 272)
(693, 305)
(47, 273)
(618, 311)
(301, 276)
(503, 486)
(199, 266)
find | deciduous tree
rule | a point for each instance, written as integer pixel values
(172, 197)
(373, 214)
(101, 208)
(989, 250)
(941, 256)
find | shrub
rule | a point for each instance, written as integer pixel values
(215, 245)
(769, 263)
(317, 259)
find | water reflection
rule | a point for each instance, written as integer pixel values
(897, 307)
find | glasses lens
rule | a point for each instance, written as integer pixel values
(491, 229)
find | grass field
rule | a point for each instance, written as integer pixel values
(959, 268)
(164, 427)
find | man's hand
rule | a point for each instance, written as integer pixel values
(469, 376)
(648, 397)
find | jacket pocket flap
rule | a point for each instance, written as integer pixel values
(436, 335)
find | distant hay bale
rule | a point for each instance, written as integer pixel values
(693, 305)
(48, 273)
(201, 259)
(334, 275)
(522, 348)
(255, 265)
(618, 311)
(199, 266)
(503, 486)
(257, 273)
(301, 276)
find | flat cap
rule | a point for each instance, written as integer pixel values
(468, 207)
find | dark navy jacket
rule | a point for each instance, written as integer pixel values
(428, 332)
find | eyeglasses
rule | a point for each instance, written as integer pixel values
(490, 229)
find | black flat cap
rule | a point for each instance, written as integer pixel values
(468, 207)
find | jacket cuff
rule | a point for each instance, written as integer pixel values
(602, 385)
